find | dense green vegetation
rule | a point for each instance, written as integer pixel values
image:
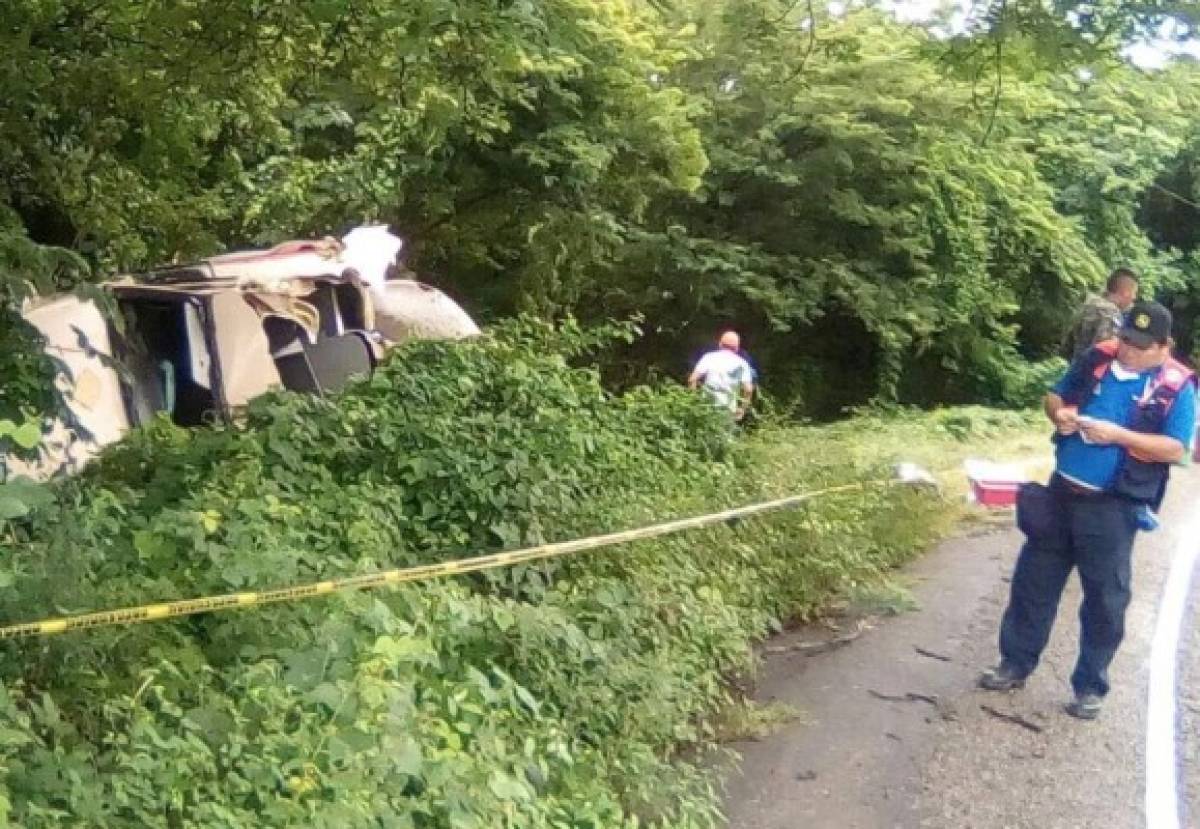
(912, 215)
(886, 213)
(556, 695)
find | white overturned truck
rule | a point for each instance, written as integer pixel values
(198, 341)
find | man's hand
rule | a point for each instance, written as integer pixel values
(1102, 432)
(1060, 414)
(744, 403)
(1066, 420)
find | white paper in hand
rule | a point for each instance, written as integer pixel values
(1084, 421)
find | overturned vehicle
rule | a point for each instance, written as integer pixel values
(198, 341)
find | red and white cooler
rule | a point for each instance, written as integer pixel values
(994, 484)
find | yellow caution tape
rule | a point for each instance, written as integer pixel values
(212, 604)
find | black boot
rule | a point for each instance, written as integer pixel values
(1004, 677)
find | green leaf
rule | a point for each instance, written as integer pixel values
(21, 495)
(407, 758)
(28, 435)
(507, 787)
(11, 507)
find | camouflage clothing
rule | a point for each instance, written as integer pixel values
(1098, 320)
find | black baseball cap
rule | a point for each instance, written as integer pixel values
(1146, 324)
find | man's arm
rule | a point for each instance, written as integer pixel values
(698, 372)
(1085, 336)
(1169, 447)
(1160, 448)
(1064, 417)
(1152, 448)
(1105, 328)
(747, 389)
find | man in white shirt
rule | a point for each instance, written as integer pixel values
(726, 376)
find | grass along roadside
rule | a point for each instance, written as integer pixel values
(898, 525)
(846, 578)
(939, 441)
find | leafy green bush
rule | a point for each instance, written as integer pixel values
(548, 695)
(1021, 384)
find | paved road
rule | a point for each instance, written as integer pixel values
(937, 759)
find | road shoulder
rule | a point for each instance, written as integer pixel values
(893, 733)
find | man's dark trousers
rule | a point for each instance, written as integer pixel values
(1095, 533)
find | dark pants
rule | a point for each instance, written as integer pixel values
(1095, 533)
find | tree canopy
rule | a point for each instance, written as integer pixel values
(885, 211)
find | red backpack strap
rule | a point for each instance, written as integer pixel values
(1107, 353)
(1170, 380)
(1174, 375)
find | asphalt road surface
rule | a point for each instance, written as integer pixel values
(891, 737)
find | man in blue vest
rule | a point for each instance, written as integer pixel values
(1124, 413)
